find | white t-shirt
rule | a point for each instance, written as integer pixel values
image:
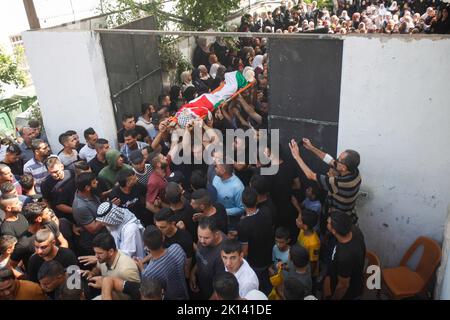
(247, 279)
(255, 295)
(87, 153)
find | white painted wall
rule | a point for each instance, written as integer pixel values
(395, 111)
(69, 73)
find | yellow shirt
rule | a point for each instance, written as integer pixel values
(312, 244)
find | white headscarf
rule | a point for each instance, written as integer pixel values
(213, 70)
(258, 62)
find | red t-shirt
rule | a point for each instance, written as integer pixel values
(156, 186)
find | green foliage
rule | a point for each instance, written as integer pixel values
(205, 15)
(10, 72)
(321, 4)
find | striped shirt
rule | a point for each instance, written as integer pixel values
(37, 170)
(169, 270)
(342, 190)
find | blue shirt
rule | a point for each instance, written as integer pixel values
(279, 256)
(169, 270)
(312, 205)
(229, 194)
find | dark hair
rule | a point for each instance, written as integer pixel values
(88, 132)
(36, 143)
(151, 288)
(81, 165)
(145, 107)
(309, 218)
(249, 197)
(173, 193)
(127, 116)
(14, 149)
(201, 196)
(6, 241)
(231, 245)
(33, 123)
(226, 286)
(101, 142)
(293, 289)
(260, 183)
(165, 214)
(130, 133)
(84, 180)
(32, 211)
(341, 222)
(63, 138)
(174, 92)
(71, 132)
(6, 274)
(123, 176)
(351, 160)
(50, 269)
(7, 187)
(153, 238)
(299, 256)
(198, 179)
(282, 233)
(208, 223)
(161, 97)
(104, 241)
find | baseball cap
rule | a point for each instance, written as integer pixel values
(176, 176)
(341, 222)
(136, 157)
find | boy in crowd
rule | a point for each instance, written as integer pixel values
(280, 251)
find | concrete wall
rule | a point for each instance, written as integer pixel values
(394, 111)
(71, 83)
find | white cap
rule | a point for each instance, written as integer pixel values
(255, 295)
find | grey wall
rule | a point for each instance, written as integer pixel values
(304, 94)
(132, 59)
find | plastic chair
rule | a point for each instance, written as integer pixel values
(402, 282)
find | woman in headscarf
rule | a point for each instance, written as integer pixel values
(175, 96)
(205, 77)
(186, 80)
(394, 7)
(198, 83)
(257, 64)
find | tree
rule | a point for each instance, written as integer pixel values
(10, 72)
(188, 14)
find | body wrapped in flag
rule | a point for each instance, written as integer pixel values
(235, 82)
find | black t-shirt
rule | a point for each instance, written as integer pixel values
(221, 217)
(16, 167)
(184, 239)
(270, 206)
(185, 214)
(132, 289)
(134, 202)
(96, 165)
(15, 228)
(141, 134)
(24, 248)
(256, 231)
(60, 192)
(281, 191)
(64, 256)
(347, 261)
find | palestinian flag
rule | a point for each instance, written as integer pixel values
(199, 107)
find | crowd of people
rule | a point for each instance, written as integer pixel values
(94, 222)
(367, 16)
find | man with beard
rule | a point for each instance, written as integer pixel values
(46, 250)
(84, 206)
(35, 166)
(15, 223)
(59, 188)
(157, 182)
